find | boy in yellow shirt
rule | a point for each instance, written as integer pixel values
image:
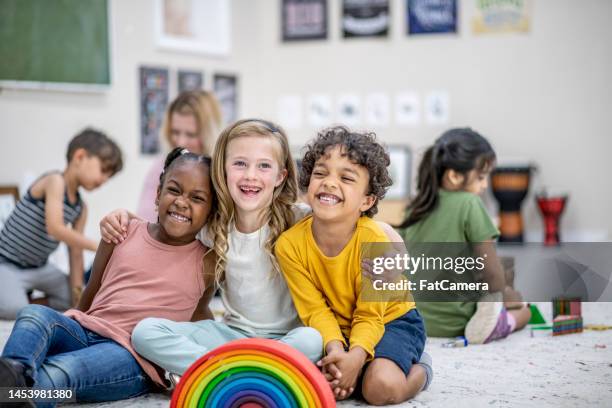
(373, 346)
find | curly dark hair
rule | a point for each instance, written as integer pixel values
(361, 149)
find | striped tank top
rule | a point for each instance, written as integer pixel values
(24, 240)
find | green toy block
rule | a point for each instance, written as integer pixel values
(536, 315)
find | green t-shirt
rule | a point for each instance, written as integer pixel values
(459, 217)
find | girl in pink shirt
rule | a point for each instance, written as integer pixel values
(157, 271)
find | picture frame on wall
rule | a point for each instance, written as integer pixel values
(400, 172)
(201, 27)
(189, 80)
(153, 102)
(225, 87)
(304, 20)
(431, 16)
(9, 195)
(365, 18)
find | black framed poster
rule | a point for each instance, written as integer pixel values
(304, 19)
(365, 18)
(153, 101)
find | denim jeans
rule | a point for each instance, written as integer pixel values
(58, 352)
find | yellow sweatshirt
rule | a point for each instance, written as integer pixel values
(326, 290)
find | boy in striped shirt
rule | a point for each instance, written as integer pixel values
(51, 212)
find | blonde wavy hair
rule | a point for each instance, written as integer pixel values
(278, 216)
(204, 107)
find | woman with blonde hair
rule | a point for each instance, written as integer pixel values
(192, 121)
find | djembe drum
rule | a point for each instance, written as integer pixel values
(551, 209)
(510, 186)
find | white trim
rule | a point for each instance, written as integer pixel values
(55, 86)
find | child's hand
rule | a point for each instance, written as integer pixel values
(348, 366)
(113, 226)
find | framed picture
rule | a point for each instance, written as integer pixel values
(399, 169)
(226, 90)
(189, 80)
(9, 195)
(304, 19)
(365, 18)
(201, 26)
(431, 16)
(153, 101)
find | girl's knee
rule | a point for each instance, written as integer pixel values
(309, 341)
(145, 331)
(37, 313)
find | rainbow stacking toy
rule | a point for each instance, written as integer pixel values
(254, 373)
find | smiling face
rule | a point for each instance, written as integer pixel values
(184, 202)
(184, 132)
(253, 171)
(338, 189)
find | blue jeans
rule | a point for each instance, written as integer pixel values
(58, 352)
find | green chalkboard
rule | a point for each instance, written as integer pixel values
(54, 41)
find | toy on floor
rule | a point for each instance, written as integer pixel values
(253, 372)
(567, 316)
(536, 315)
(567, 306)
(459, 341)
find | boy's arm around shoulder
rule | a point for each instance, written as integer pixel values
(53, 190)
(105, 250)
(307, 298)
(202, 311)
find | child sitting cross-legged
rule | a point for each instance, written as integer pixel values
(372, 346)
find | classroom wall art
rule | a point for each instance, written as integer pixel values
(399, 170)
(289, 111)
(201, 26)
(304, 19)
(153, 101)
(431, 16)
(407, 109)
(502, 16)
(349, 109)
(377, 109)
(437, 108)
(319, 110)
(189, 80)
(365, 18)
(225, 87)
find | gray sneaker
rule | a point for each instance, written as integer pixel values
(173, 379)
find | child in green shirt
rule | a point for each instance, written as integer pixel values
(447, 208)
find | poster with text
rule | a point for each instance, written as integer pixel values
(502, 16)
(225, 88)
(365, 18)
(153, 101)
(304, 19)
(431, 16)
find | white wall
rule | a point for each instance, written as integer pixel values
(543, 96)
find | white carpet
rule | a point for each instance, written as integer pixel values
(571, 370)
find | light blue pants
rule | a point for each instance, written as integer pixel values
(174, 346)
